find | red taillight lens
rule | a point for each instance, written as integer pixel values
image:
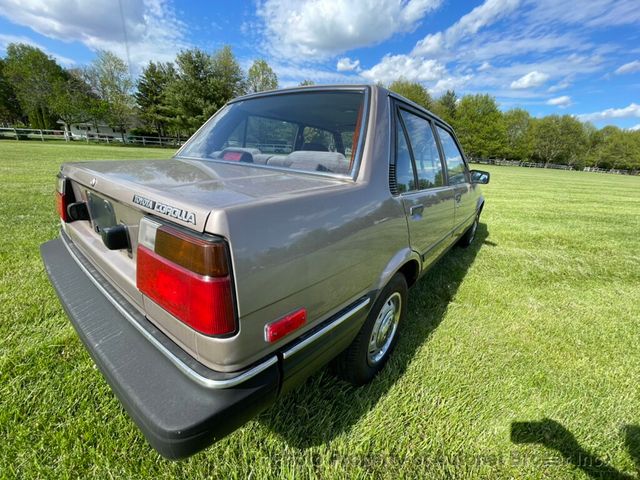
(64, 195)
(61, 206)
(193, 283)
(284, 326)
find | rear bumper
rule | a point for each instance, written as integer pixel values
(179, 414)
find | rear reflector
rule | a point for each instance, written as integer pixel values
(284, 326)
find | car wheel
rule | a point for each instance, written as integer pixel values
(470, 234)
(375, 341)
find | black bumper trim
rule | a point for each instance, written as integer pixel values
(177, 415)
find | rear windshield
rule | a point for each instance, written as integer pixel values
(308, 131)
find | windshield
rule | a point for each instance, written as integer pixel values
(309, 131)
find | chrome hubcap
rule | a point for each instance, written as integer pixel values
(384, 329)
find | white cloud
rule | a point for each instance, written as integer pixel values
(629, 67)
(560, 86)
(635, 128)
(345, 64)
(530, 80)
(312, 30)
(486, 14)
(290, 75)
(449, 83)
(152, 29)
(486, 66)
(632, 111)
(562, 102)
(5, 40)
(589, 13)
(393, 67)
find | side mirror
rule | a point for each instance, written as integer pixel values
(478, 176)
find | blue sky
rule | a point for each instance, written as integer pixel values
(547, 56)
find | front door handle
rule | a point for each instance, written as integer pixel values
(458, 197)
(416, 210)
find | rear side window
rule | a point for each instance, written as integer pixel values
(405, 180)
(453, 157)
(425, 151)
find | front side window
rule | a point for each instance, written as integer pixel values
(425, 151)
(453, 156)
(309, 131)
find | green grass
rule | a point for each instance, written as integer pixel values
(537, 322)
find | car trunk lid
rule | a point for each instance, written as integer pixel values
(185, 191)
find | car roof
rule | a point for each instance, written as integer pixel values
(382, 91)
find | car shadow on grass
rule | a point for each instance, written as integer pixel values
(555, 436)
(325, 407)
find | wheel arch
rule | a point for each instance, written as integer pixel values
(407, 262)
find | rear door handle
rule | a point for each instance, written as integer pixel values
(458, 197)
(416, 210)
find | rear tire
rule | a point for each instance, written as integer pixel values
(372, 347)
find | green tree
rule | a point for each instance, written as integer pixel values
(10, 111)
(261, 77)
(519, 135)
(306, 83)
(412, 91)
(446, 107)
(152, 96)
(109, 77)
(32, 74)
(480, 126)
(574, 140)
(617, 149)
(228, 75)
(204, 83)
(560, 140)
(72, 99)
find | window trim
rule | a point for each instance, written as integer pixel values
(396, 106)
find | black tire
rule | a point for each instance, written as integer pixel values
(358, 364)
(467, 239)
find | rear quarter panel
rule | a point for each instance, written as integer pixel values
(321, 251)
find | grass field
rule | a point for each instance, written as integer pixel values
(520, 357)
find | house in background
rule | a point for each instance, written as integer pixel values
(80, 130)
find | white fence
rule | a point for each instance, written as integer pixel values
(37, 134)
(516, 163)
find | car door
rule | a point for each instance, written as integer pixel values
(459, 180)
(421, 182)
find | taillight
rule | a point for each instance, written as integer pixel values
(64, 196)
(187, 276)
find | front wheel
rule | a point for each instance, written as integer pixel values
(375, 341)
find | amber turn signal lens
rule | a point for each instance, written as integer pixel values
(194, 254)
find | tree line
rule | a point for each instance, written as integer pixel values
(486, 132)
(175, 98)
(172, 98)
